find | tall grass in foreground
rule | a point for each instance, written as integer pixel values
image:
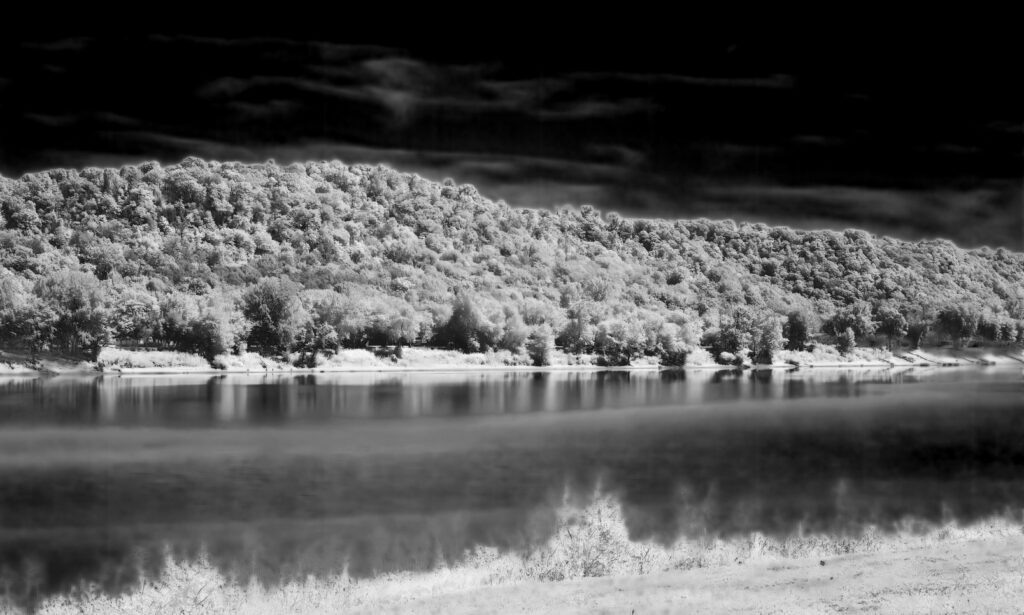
(589, 541)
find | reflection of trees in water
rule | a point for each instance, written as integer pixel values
(203, 400)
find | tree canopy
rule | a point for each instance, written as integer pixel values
(210, 257)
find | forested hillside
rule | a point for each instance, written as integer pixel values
(212, 257)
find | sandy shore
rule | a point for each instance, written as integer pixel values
(969, 577)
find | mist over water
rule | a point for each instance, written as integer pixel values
(283, 476)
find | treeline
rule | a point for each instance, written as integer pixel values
(215, 258)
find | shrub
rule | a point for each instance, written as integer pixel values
(846, 341)
(468, 329)
(699, 356)
(273, 308)
(613, 360)
(892, 324)
(540, 345)
(916, 332)
(619, 340)
(959, 322)
(795, 331)
(674, 358)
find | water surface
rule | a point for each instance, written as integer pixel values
(282, 476)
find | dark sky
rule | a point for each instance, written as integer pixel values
(913, 138)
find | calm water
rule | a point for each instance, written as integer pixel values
(282, 476)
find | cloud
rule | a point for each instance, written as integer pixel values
(1007, 127)
(408, 88)
(116, 119)
(263, 110)
(616, 154)
(52, 121)
(593, 109)
(818, 140)
(770, 82)
(326, 49)
(76, 43)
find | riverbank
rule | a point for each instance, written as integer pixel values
(16, 363)
(589, 565)
(415, 359)
(973, 576)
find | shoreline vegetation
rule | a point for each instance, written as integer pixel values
(590, 563)
(123, 361)
(264, 267)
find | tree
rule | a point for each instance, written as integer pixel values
(580, 330)
(78, 301)
(13, 301)
(959, 322)
(515, 331)
(847, 341)
(384, 251)
(134, 315)
(997, 329)
(727, 340)
(619, 341)
(766, 339)
(796, 330)
(313, 339)
(891, 323)
(747, 331)
(219, 328)
(273, 308)
(916, 332)
(540, 345)
(467, 329)
(856, 317)
(32, 324)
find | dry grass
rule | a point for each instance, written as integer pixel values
(120, 358)
(826, 353)
(699, 356)
(589, 541)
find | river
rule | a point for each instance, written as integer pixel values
(281, 476)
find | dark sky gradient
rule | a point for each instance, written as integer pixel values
(916, 138)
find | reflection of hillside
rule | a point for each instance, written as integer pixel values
(273, 399)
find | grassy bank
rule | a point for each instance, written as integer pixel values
(789, 575)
